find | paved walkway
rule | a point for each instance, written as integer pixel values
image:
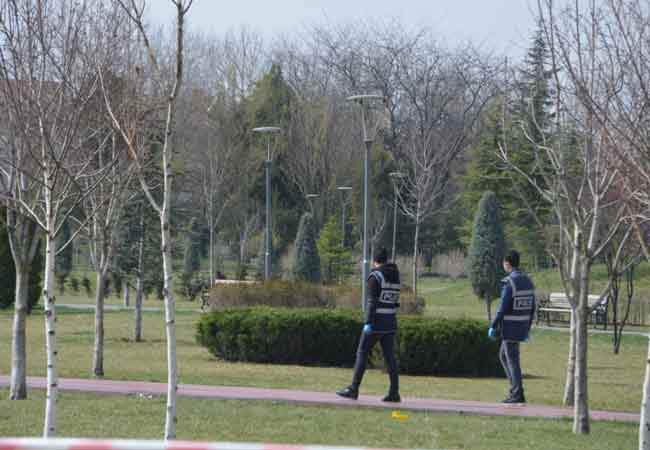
(320, 398)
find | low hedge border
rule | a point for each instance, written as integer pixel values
(318, 337)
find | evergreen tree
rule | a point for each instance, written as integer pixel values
(486, 251)
(8, 273)
(527, 124)
(270, 104)
(335, 258)
(306, 261)
(63, 260)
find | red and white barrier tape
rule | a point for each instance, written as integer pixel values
(93, 444)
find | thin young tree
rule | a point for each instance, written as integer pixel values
(168, 87)
(104, 208)
(442, 95)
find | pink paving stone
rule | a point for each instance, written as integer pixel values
(321, 398)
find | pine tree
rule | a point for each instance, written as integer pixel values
(306, 260)
(486, 251)
(8, 273)
(531, 111)
(335, 258)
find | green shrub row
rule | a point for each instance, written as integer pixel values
(297, 294)
(330, 338)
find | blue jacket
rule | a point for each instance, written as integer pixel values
(517, 308)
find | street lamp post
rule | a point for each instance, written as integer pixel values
(366, 101)
(343, 190)
(395, 176)
(267, 164)
(310, 197)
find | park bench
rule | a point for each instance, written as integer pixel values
(557, 304)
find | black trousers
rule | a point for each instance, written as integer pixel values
(509, 356)
(366, 343)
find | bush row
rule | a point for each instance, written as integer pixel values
(330, 338)
(287, 294)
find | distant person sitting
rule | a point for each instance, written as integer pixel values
(380, 325)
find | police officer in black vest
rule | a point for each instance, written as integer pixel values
(513, 321)
(380, 325)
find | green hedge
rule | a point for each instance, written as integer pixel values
(330, 338)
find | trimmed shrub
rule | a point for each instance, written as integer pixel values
(447, 347)
(281, 336)
(350, 298)
(274, 293)
(330, 338)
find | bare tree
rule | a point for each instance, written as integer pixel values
(135, 141)
(104, 207)
(580, 176)
(442, 94)
(623, 33)
(47, 59)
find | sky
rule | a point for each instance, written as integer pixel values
(504, 26)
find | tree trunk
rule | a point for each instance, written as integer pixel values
(98, 350)
(139, 285)
(581, 403)
(49, 428)
(127, 300)
(488, 307)
(138, 310)
(569, 385)
(415, 258)
(211, 253)
(644, 422)
(170, 313)
(18, 384)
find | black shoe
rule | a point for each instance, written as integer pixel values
(348, 392)
(513, 400)
(395, 398)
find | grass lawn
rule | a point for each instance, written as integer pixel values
(83, 415)
(614, 381)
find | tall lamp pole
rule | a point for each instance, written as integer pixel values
(366, 102)
(268, 131)
(343, 190)
(311, 198)
(395, 176)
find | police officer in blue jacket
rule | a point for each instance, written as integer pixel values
(380, 325)
(513, 321)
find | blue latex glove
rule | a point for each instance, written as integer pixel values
(492, 334)
(367, 328)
